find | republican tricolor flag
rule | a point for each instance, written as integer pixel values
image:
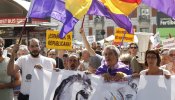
(69, 12)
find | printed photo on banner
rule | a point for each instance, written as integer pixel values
(75, 85)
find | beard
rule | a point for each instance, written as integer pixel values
(34, 54)
(73, 67)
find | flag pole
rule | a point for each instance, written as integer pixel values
(23, 29)
(82, 24)
(122, 39)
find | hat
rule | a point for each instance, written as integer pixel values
(94, 61)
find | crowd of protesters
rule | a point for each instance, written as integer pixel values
(111, 62)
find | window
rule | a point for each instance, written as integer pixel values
(98, 35)
(144, 11)
(144, 15)
(110, 30)
(144, 29)
(90, 17)
(90, 31)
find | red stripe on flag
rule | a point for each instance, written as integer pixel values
(132, 1)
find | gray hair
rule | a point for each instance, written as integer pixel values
(94, 61)
(125, 57)
(113, 48)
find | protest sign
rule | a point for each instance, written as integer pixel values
(54, 42)
(91, 39)
(120, 34)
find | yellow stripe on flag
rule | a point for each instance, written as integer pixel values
(119, 7)
(78, 8)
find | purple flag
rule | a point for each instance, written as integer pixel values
(48, 8)
(165, 6)
(97, 8)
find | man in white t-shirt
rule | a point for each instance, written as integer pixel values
(27, 63)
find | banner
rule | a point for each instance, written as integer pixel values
(54, 42)
(74, 85)
(156, 88)
(119, 35)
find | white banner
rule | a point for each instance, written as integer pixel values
(73, 85)
(156, 88)
(69, 85)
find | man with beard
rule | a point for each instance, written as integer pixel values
(27, 63)
(6, 83)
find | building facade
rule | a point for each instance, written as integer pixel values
(143, 20)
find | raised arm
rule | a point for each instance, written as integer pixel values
(13, 69)
(86, 43)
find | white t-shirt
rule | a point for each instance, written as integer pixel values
(165, 72)
(26, 64)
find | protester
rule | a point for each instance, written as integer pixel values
(51, 53)
(165, 58)
(94, 63)
(98, 49)
(170, 64)
(110, 69)
(94, 46)
(27, 63)
(125, 58)
(65, 61)
(135, 65)
(152, 61)
(85, 60)
(23, 50)
(73, 62)
(7, 82)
